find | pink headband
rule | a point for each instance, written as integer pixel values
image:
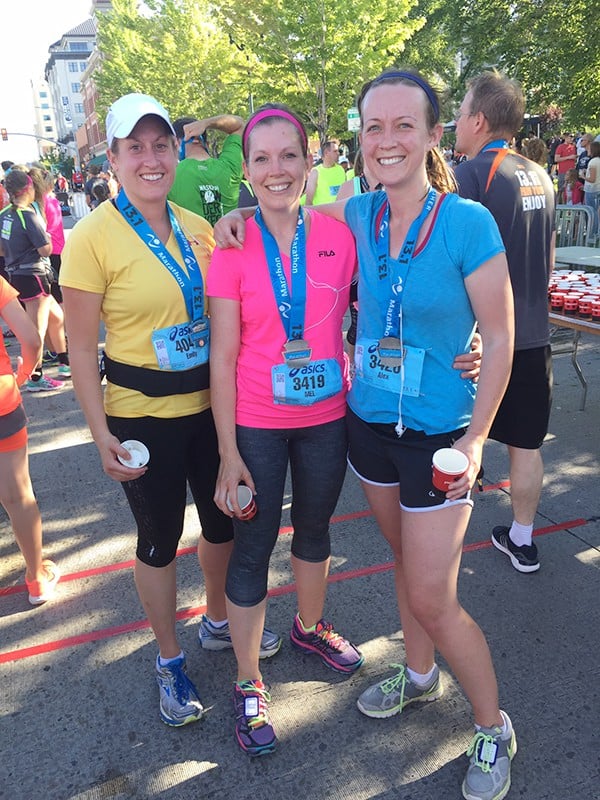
(272, 112)
(28, 185)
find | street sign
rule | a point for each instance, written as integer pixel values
(353, 119)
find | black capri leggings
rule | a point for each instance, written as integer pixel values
(182, 450)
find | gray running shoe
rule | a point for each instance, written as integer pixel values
(213, 638)
(490, 752)
(179, 698)
(390, 696)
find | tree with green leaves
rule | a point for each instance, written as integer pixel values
(174, 52)
(316, 55)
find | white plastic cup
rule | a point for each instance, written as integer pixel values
(448, 465)
(139, 454)
(246, 502)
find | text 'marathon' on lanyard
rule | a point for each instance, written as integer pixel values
(191, 285)
(396, 271)
(290, 300)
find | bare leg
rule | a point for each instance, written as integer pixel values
(56, 327)
(16, 495)
(526, 478)
(246, 626)
(385, 503)
(157, 590)
(214, 559)
(432, 549)
(38, 309)
(311, 588)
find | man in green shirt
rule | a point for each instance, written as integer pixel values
(203, 184)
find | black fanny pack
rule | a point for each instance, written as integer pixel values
(155, 382)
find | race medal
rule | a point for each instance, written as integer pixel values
(390, 351)
(296, 353)
(200, 332)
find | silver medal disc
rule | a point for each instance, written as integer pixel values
(390, 351)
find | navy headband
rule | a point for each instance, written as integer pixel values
(415, 79)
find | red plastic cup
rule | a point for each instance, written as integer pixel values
(557, 300)
(571, 305)
(246, 502)
(585, 307)
(596, 311)
(448, 465)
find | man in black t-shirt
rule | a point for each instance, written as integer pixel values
(520, 195)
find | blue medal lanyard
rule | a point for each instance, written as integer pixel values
(191, 285)
(290, 304)
(497, 144)
(397, 277)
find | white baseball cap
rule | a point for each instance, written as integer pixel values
(127, 111)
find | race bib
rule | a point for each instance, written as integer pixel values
(371, 370)
(303, 386)
(180, 347)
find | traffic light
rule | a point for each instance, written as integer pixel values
(4, 134)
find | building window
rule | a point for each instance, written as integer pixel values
(43, 94)
(82, 66)
(73, 66)
(46, 117)
(78, 108)
(48, 128)
(45, 105)
(80, 47)
(75, 88)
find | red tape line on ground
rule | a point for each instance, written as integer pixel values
(190, 613)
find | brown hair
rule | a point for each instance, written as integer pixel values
(16, 182)
(440, 176)
(535, 149)
(500, 100)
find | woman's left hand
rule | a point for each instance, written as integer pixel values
(232, 472)
(472, 447)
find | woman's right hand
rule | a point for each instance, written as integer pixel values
(109, 448)
(230, 230)
(232, 472)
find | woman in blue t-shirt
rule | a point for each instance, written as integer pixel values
(431, 266)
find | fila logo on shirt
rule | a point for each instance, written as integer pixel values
(326, 253)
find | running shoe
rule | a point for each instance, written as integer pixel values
(523, 557)
(64, 372)
(490, 753)
(49, 358)
(335, 652)
(392, 695)
(179, 698)
(44, 590)
(44, 384)
(219, 638)
(253, 729)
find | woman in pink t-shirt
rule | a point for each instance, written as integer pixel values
(278, 384)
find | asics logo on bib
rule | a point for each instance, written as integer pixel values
(309, 369)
